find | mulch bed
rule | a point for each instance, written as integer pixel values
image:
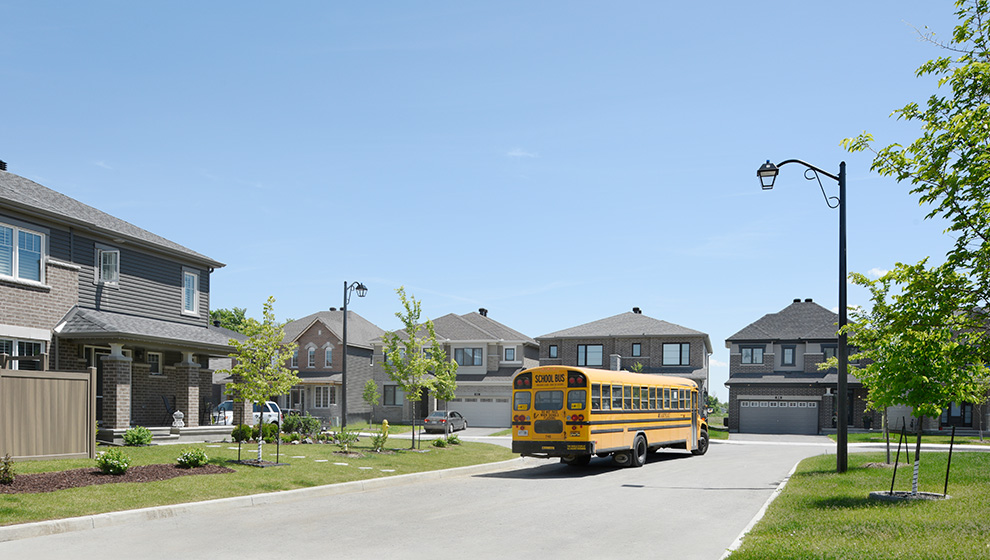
(60, 480)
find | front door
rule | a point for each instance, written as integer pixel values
(960, 415)
(297, 399)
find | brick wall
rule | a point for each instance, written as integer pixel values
(116, 393)
(40, 307)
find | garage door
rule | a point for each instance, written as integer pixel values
(778, 417)
(483, 412)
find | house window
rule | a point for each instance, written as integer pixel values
(752, 354)
(321, 396)
(677, 354)
(311, 358)
(553, 351)
(829, 352)
(392, 395)
(294, 361)
(787, 356)
(468, 356)
(328, 357)
(22, 348)
(190, 292)
(510, 354)
(589, 354)
(108, 265)
(154, 363)
(637, 349)
(21, 259)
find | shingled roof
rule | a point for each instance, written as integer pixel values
(80, 323)
(360, 331)
(627, 324)
(473, 327)
(801, 320)
(31, 198)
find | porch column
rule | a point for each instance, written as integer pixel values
(116, 389)
(187, 389)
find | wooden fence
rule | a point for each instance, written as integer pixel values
(47, 414)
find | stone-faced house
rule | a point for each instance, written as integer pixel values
(774, 383)
(488, 354)
(625, 340)
(81, 288)
(318, 364)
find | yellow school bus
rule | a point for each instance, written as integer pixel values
(574, 413)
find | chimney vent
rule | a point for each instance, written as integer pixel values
(3, 165)
(216, 323)
(637, 311)
(483, 312)
(797, 300)
(333, 309)
(808, 300)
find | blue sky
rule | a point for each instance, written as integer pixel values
(553, 162)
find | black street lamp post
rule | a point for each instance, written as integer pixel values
(767, 174)
(362, 290)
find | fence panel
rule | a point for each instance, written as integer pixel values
(47, 414)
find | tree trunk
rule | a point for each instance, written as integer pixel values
(261, 437)
(917, 456)
(886, 433)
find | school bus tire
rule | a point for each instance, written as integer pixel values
(576, 460)
(639, 451)
(702, 447)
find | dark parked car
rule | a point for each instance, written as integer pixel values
(438, 421)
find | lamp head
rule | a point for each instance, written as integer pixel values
(362, 290)
(767, 174)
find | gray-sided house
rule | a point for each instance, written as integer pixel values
(488, 354)
(625, 340)
(81, 288)
(774, 383)
(318, 363)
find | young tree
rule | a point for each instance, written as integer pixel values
(916, 347)
(412, 356)
(259, 369)
(371, 396)
(444, 383)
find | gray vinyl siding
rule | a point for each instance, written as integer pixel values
(150, 286)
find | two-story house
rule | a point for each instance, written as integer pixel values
(318, 360)
(774, 383)
(488, 354)
(634, 342)
(82, 288)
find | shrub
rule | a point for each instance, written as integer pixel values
(241, 433)
(6, 470)
(192, 459)
(138, 435)
(305, 424)
(344, 438)
(378, 439)
(113, 462)
(268, 432)
(452, 439)
(440, 442)
(292, 423)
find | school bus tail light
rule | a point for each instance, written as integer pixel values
(576, 379)
(577, 418)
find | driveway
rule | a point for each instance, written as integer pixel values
(676, 506)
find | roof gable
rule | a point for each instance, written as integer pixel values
(360, 331)
(627, 324)
(800, 320)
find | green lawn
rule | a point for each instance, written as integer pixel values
(822, 514)
(878, 437)
(303, 471)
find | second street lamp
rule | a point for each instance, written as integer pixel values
(362, 290)
(768, 174)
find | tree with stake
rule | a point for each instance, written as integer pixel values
(259, 369)
(371, 396)
(444, 383)
(411, 356)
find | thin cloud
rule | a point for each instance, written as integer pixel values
(519, 153)
(102, 164)
(877, 272)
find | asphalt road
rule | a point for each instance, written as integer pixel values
(676, 506)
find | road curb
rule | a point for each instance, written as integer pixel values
(759, 515)
(57, 526)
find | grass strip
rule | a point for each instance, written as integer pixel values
(822, 514)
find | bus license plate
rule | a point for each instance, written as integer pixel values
(523, 433)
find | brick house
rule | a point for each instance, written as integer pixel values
(627, 339)
(488, 354)
(318, 363)
(81, 288)
(774, 383)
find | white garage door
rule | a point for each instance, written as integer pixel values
(484, 412)
(778, 417)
